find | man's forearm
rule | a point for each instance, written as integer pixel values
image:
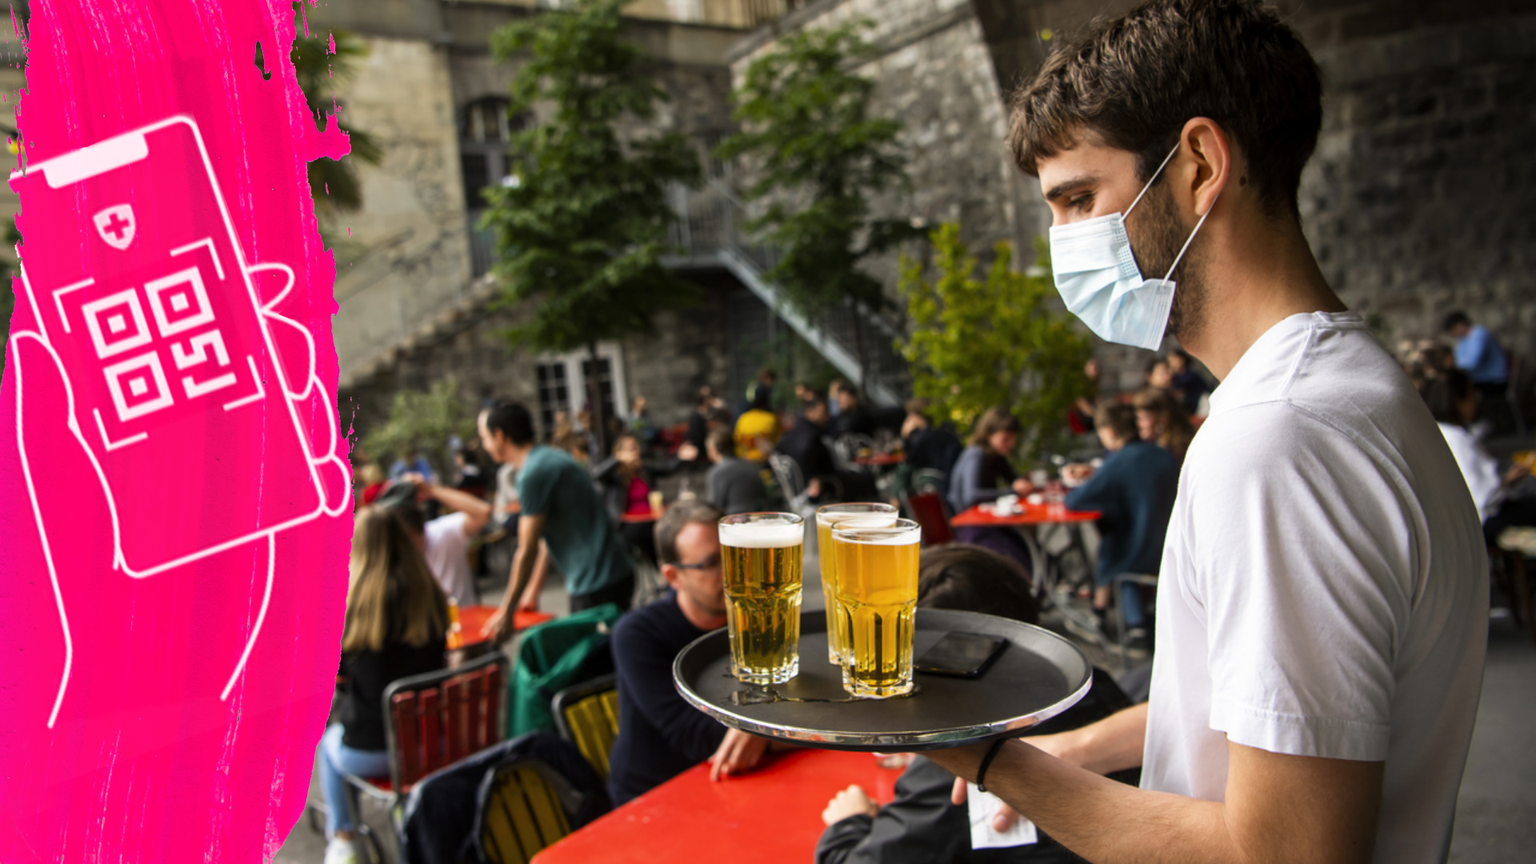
(1112, 744)
(472, 505)
(522, 569)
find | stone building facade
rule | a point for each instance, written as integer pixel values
(1416, 201)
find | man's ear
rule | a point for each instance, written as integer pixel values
(1207, 165)
(671, 574)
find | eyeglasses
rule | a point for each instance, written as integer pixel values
(708, 564)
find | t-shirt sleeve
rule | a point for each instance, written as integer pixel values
(644, 666)
(447, 532)
(1302, 568)
(536, 485)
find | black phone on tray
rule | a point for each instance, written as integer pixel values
(961, 655)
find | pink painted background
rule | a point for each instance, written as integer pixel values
(145, 761)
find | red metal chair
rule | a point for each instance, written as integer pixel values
(435, 720)
(927, 509)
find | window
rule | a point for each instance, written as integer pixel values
(564, 383)
(484, 130)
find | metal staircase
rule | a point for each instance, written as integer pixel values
(710, 229)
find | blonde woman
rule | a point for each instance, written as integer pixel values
(397, 624)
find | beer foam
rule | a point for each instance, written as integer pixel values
(857, 519)
(877, 536)
(761, 535)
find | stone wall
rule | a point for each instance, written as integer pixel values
(935, 76)
(1419, 200)
(687, 350)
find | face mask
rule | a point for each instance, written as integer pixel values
(1098, 278)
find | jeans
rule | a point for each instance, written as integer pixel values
(337, 758)
(1131, 605)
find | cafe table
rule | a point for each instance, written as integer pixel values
(880, 460)
(1025, 515)
(473, 643)
(771, 814)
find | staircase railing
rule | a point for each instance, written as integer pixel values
(711, 229)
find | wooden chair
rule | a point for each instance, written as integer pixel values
(434, 720)
(587, 715)
(522, 814)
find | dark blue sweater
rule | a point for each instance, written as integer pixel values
(1134, 490)
(660, 735)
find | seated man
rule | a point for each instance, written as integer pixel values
(733, 485)
(921, 824)
(1479, 354)
(660, 735)
(852, 417)
(1134, 490)
(929, 447)
(805, 445)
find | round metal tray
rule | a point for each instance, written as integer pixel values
(1037, 676)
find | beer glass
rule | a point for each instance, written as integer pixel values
(877, 595)
(826, 518)
(761, 554)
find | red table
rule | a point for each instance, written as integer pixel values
(1033, 514)
(881, 460)
(638, 518)
(472, 620)
(772, 814)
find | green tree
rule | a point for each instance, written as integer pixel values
(996, 340)
(332, 182)
(819, 158)
(582, 228)
(422, 421)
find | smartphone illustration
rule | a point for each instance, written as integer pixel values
(176, 389)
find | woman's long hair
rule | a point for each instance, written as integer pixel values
(391, 595)
(993, 420)
(1177, 430)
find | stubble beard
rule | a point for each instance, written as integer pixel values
(1156, 238)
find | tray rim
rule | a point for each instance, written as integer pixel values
(913, 741)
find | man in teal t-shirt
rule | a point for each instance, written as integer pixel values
(560, 507)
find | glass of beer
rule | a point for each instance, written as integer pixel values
(826, 517)
(762, 555)
(877, 594)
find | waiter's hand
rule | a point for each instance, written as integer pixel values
(849, 802)
(1005, 817)
(738, 753)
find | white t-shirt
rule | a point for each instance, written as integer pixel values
(447, 554)
(1480, 469)
(1324, 584)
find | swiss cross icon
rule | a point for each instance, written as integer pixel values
(115, 225)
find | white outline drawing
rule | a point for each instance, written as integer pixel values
(87, 162)
(93, 323)
(189, 276)
(118, 221)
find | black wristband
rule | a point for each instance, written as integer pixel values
(986, 761)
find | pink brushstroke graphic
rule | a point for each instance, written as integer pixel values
(175, 499)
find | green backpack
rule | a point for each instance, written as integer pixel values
(553, 656)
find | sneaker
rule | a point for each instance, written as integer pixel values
(340, 851)
(1138, 640)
